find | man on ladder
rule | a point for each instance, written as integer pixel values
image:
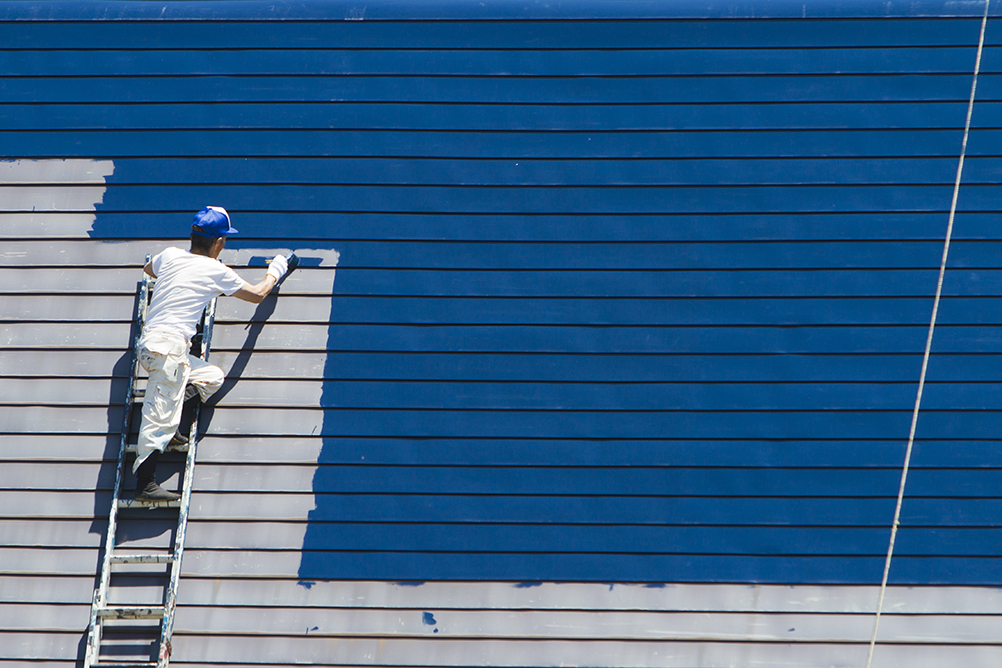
(186, 282)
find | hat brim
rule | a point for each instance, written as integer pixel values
(222, 233)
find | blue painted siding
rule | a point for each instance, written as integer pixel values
(632, 300)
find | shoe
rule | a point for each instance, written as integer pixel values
(179, 439)
(147, 488)
(154, 492)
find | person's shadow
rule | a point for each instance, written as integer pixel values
(255, 325)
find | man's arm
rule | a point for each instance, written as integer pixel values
(149, 269)
(255, 294)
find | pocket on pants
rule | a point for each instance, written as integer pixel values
(163, 402)
(147, 359)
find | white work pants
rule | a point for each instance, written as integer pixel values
(164, 354)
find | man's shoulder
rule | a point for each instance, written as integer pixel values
(171, 253)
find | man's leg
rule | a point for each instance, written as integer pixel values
(161, 416)
(203, 378)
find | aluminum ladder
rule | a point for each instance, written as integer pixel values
(152, 624)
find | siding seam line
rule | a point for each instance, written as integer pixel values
(928, 342)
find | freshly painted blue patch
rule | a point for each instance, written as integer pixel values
(428, 619)
(575, 338)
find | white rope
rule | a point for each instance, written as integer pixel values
(928, 340)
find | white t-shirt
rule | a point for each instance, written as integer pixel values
(185, 284)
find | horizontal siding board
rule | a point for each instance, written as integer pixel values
(401, 652)
(632, 625)
(495, 452)
(952, 347)
(429, 87)
(503, 566)
(536, 172)
(200, 596)
(145, 533)
(583, 34)
(574, 481)
(509, 143)
(666, 481)
(210, 650)
(528, 228)
(707, 283)
(572, 596)
(26, 647)
(445, 567)
(335, 623)
(115, 280)
(497, 62)
(499, 653)
(36, 447)
(543, 367)
(405, 508)
(850, 570)
(610, 199)
(906, 602)
(487, 395)
(43, 589)
(527, 424)
(19, 561)
(524, 424)
(628, 568)
(485, 118)
(593, 256)
(533, 396)
(743, 511)
(488, 283)
(82, 355)
(54, 505)
(814, 454)
(583, 596)
(103, 341)
(517, 311)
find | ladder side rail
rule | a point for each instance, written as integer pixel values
(170, 600)
(101, 593)
(93, 651)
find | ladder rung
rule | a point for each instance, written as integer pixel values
(131, 611)
(157, 558)
(132, 503)
(129, 664)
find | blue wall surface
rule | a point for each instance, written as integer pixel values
(627, 292)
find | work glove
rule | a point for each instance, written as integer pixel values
(278, 267)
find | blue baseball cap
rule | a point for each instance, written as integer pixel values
(212, 222)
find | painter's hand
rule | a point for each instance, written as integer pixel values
(278, 267)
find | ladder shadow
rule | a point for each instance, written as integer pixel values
(109, 459)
